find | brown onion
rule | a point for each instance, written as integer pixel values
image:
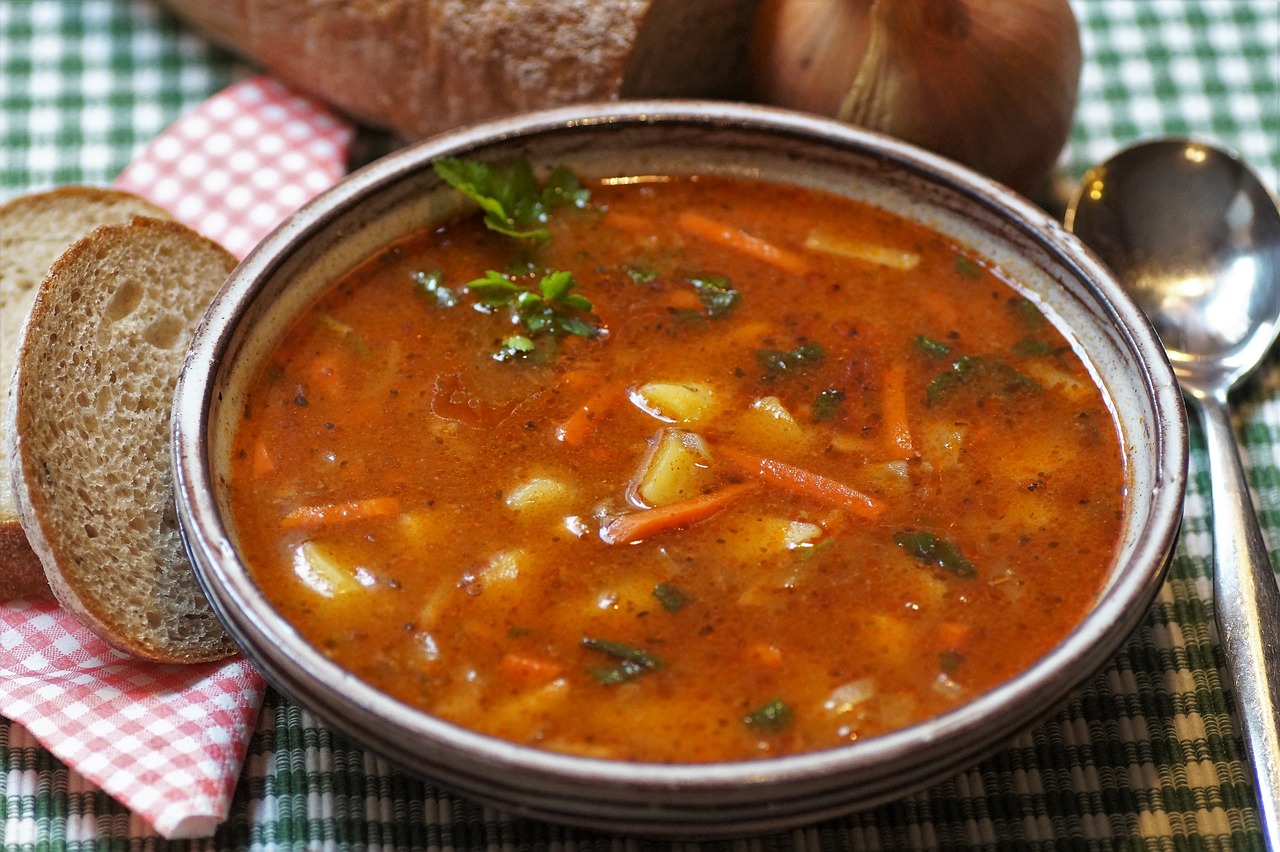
(990, 84)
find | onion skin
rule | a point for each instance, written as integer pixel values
(989, 83)
(804, 54)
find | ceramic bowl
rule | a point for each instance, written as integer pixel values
(400, 193)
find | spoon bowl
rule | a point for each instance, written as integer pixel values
(1194, 236)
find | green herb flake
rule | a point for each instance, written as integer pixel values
(932, 346)
(672, 598)
(641, 273)
(785, 361)
(949, 661)
(773, 716)
(1026, 312)
(936, 552)
(1031, 348)
(515, 346)
(629, 662)
(998, 376)
(828, 403)
(513, 202)
(967, 267)
(718, 297)
(432, 283)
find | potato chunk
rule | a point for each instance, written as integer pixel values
(675, 402)
(324, 573)
(769, 426)
(540, 496)
(676, 468)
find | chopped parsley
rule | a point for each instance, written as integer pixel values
(773, 716)
(1031, 348)
(785, 361)
(514, 202)
(828, 403)
(930, 550)
(717, 296)
(671, 597)
(968, 268)
(432, 283)
(968, 369)
(629, 663)
(932, 346)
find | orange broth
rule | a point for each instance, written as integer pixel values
(874, 484)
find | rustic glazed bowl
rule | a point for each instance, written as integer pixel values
(401, 193)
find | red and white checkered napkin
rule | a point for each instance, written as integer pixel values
(169, 742)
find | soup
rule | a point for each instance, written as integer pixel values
(677, 469)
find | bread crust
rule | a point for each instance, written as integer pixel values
(419, 67)
(89, 431)
(34, 230)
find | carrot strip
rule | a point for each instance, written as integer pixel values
(805, 482)
(635, 526)
(333, 513)
(523, 668)
(629, 222)
(893, 400)
(739, 240)
(581, 423)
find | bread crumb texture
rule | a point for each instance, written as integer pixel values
(97, 372)
(34, 230)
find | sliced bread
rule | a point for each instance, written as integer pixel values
(34, 230)
(88, 438)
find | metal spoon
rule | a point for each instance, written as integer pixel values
(1195, 238)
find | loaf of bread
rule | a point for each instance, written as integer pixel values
(422, 66)
(34, 230)
(88, 435)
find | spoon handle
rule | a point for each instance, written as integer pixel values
(1247, 606)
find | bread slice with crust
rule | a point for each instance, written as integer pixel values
(88, 438)
(34, 230)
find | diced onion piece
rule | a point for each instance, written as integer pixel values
(849, 696)
(674, 402)
(801, 534)
(675, 469)
(323, 573)
(894, 258)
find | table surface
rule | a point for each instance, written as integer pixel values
(1145, 756)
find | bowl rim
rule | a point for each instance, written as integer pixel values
(954, 737)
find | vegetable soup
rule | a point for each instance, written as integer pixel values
(677, 469)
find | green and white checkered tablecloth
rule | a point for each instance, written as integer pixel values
(1145, 757)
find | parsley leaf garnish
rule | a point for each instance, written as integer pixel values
(513, 202)
(937, 552)
(549, 307)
